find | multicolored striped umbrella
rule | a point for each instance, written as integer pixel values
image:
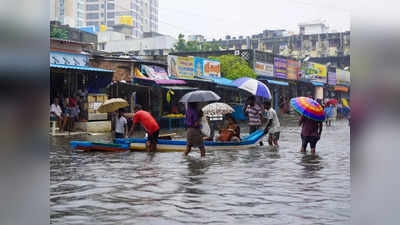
(308, 108)
(253, 86)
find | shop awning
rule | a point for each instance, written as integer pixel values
(276, 82)
(182, 88)
(341, 88)
(219, 80)
(317, 84)
(87, 68)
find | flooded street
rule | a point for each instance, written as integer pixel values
(255, 186)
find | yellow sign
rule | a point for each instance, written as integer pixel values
(102, 28)
(320, 69)
(126, 20)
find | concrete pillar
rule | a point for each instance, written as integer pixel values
(276, 99)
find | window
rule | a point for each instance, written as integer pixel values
(110, 23)
(110, 6)
(91, 16)
(80, 14)
(92, 7)
(111, 15)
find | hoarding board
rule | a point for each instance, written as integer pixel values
(264, 69)
(280, 68)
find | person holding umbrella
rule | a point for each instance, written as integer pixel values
(253, 111)
(120, 125)
(194, 137)
(312, 115)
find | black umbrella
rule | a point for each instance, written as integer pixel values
(200, 96)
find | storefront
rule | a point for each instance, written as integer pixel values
(86, 84)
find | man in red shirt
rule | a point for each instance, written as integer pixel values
(149, 124)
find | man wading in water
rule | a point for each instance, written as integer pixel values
(193, 136)
(149, 124)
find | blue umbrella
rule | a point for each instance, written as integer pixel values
(253, 86)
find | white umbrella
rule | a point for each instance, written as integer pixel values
(217, 108)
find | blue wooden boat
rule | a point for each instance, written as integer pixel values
(138, 144)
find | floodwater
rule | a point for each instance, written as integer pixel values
(255, 186)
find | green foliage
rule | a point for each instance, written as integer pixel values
(194, 46)
(60, 33)
(234, 67)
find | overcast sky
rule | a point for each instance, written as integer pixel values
(217, 18)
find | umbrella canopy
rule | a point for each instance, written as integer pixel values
(200, 96)
(332, 102)
(253, 86)
(112, 105)
(308, 108)
(217, 108)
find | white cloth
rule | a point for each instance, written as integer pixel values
(120, 124)
(271, 115)
(56, 109)
(205, 128)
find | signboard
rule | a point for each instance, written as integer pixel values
(211, 68)
(332, 78)
(180, 67)
(292, 70)
(280, 68)
(155, 72)
(321, 74)
(264, 69)
(68, 59)
(313, 72)
(126, 20)
(342, 77)
(206, 67)
(188, 67)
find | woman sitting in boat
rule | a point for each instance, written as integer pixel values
(231, 132)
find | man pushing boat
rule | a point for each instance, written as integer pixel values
(149, 124)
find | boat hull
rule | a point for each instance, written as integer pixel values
(139, 144)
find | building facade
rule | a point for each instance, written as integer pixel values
(280, 42)
(68, 12)
(151, 44)
(141, 14)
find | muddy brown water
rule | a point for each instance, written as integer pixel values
(254, 186)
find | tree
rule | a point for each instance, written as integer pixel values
(58, 33)
(180, 46)
(234, 67)
(194, 46)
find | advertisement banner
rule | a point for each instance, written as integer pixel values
(280, 68)
(264, 69)
(292, 70)
(198, 66)
(313, 72)
(342, 77)
(180, 67)
(206, 67)
(211, 68)
(68, 59)
(321, 74)
(332, 78)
